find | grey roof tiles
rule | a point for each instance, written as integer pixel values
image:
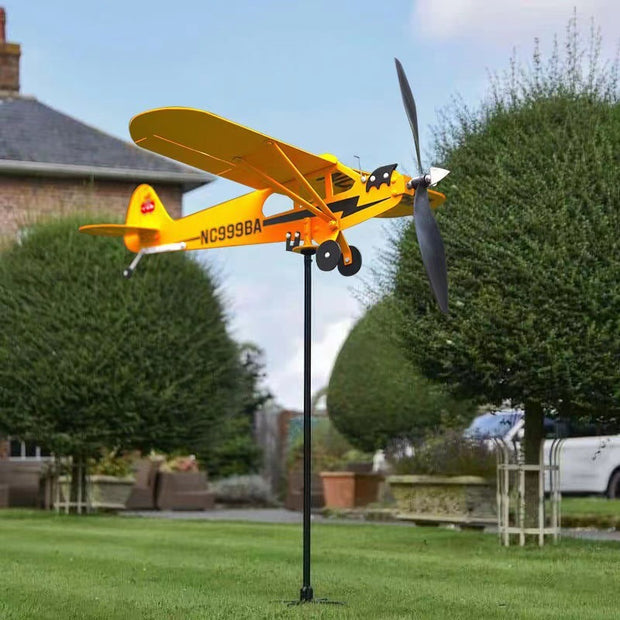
(34, 136)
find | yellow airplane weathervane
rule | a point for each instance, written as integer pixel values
(327, 196)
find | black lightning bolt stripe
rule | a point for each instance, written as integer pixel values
(347, 206)
(292, 216)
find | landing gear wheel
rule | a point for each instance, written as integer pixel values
(354, 266)
(327, 255)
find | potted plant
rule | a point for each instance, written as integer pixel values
(181, 485)
(348, 485)
(346, 473)
(295, 476)
(448, 478)
(110, 480)
(180, 463)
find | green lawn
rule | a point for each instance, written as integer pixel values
(590, 511)
(591, 506)
(114, 567)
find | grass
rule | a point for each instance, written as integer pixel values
(591, 506)
(590, 512)
(114, 567)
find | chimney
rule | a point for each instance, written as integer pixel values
(9, 62)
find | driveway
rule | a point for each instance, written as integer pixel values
(280, 515)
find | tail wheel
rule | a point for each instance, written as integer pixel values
(327, 255)
(354, 266)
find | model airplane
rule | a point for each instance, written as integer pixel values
(327, 196)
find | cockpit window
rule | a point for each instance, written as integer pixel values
(318, 185)
(341, 182)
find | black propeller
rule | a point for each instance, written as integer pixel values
(427, 231)
(431, 246)
(410, 109)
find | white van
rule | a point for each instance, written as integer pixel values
(588, 464)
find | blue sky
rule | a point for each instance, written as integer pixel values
(319, 75)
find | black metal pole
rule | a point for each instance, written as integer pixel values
(306, 593)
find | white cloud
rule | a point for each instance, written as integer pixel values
(515, 21)
(263, 290)
(287, 379)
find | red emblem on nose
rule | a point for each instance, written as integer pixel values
(148, 206)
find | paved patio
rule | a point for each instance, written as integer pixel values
(280, 515)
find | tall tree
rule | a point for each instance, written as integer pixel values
(375, 394)
(90, 360)
(531, 228)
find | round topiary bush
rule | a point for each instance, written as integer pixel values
(90, 360)
(375, 394)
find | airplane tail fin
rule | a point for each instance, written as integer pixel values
(146, 217)
(146, 209)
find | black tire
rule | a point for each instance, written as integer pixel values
(327, 255)
(613, 490)
(354, 266)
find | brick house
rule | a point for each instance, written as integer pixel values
(53, 164)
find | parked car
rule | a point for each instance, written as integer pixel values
(589, 464)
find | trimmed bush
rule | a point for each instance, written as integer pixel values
(252, 490)
(376, 395)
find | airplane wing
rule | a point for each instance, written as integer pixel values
(221, 147)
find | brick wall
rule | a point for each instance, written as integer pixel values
(25, 200)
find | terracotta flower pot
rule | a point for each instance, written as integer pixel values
(347, 489)
(294, 495)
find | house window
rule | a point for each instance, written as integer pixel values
(26, 451)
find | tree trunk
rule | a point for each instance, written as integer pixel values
(78, 483)
(534, 434)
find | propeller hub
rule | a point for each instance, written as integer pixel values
(424, 179)
(430, 180)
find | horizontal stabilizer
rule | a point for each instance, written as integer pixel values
(120, 230)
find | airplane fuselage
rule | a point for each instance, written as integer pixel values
(351, 196)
